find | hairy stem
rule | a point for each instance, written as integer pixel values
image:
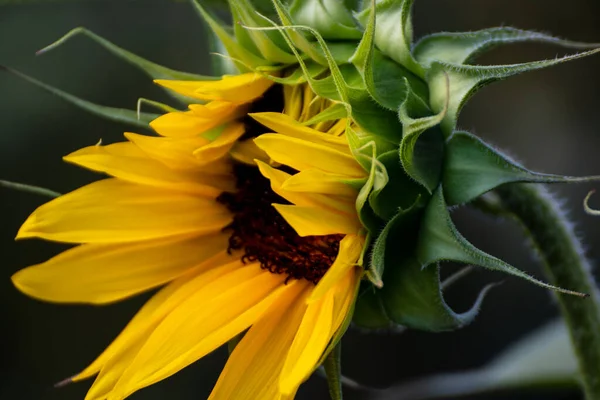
(333, 371)
(566, 267)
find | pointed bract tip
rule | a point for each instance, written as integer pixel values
(65, 382)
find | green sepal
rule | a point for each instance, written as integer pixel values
(397, 192)
(130, 117)
(339, 51)
(156, 104)
(244, 60)
(386, 83)
(332, 113)
(270, 44)
(369, 311)
(472, 168)
(219, 64)
(331, 18)
(393, 33)
(465, 80)
(411, 296)
(439, 240)
(299, 76)
(422, 146)
(23, 187)
(153, 70)
(463, 47)
(389, 235)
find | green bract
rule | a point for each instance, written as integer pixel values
(406, 98)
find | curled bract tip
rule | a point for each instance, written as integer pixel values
(586, 205)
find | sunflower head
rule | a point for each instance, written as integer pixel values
(307, 185)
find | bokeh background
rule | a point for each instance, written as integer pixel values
(547, 119)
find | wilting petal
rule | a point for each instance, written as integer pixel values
(278, 179)
(126, 161)
(219, 147)
(246, 151)
(315, 221)
(176, 153)
(350, 248)
(112, 211)
(311, 340)
(253, 369)
(199, 119)
(237, 89)
(307, 155)
(317, 181)
(205, 321)
(286, 125)
(103, 273)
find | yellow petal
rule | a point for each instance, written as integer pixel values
(122, 351)
(253, 369)
(316, 221)
(160, 305)
(301, 155)
(219, 147)
(205, 321)
(278, 178)
(113, 211)
(237, 89)
(247, 151)
(126, 161)
(351, 247)
(317, 181)
(103, 273)
(199, 119)
(311, 340)
(176, 153)
(285, 125)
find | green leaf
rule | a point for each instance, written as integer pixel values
(153, 70)
(393, 33)
(472, 168)
(331, 18)
(463, 47)
(114, 114)
(269, 44)
(465, 80)
(422, 146)
(543, 358)
(439, 240)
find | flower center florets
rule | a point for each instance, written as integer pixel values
(264, 235)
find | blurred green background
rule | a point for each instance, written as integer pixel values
(547, 119)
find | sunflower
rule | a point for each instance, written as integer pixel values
(243, 210)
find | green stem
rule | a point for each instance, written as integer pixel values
(333, 370)
(566, 267)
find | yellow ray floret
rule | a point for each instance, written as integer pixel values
(238, 89)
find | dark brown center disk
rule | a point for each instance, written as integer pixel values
(265, 236)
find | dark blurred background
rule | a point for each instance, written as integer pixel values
(547, 119)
